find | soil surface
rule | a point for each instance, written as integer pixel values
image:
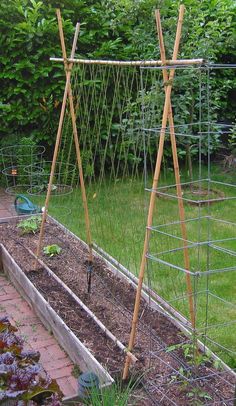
(169, 379)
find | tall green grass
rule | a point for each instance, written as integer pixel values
(118, 213)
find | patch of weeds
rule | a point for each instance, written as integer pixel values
(34, 328)
(198, 397)
(180, 376)
(52, 250)
(30, 225)
(76, 372)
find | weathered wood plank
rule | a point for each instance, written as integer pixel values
(66, 338)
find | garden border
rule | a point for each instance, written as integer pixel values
(76, 350)
(156, 302)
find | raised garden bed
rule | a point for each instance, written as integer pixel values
(111, 301)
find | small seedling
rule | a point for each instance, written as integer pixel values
(30, 225)
(52, 250)
(196, 396)
(191, 355)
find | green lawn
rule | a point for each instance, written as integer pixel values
(118, 215)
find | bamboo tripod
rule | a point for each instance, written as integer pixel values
(67, 94)
(167, 116)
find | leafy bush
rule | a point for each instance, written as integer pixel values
(21, 377)
(32, 86)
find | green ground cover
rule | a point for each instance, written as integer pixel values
(118, 215)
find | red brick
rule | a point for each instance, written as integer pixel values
(4, 213)
(56, 351)
(23, 320)
(15, 302)
(73, 382)
(24, 307)
(46, 356)
(61, 372)
(10, 296)
(9, 289)
(40, 343)
(65, 387)
(4, 281)
(2, 291)
(53, 364)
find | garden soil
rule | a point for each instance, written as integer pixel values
(167, 377)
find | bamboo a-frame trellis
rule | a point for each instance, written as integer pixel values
(167, 116)
(67, 94)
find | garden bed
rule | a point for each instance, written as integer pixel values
(111, 300)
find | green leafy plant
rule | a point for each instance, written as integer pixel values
(192, 355)
(30, 225)
(196, 396)
(21, 374)
(52, 250)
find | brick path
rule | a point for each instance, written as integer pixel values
(53, 359)
(6, 205)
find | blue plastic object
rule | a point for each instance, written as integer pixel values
(87, 382)
(24, 206)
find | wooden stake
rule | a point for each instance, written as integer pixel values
(153, 193)
(177, 176)
(68, 68)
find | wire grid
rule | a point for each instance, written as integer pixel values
(211, 245)
(123, 106)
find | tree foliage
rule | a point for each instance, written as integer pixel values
(32, 86)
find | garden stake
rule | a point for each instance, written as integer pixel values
(55, 154)
(89, 275)
(153, 193)
(177, 176)
(67, 92)
(68, 68)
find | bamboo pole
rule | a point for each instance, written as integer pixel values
(153, 193)
(75, 132)
(55, 154)
(178, 62)
(177, 177)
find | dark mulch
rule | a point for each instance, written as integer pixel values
(112, 300)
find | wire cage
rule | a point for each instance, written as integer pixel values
(16, 162)
(63, 180)
(190, 258)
